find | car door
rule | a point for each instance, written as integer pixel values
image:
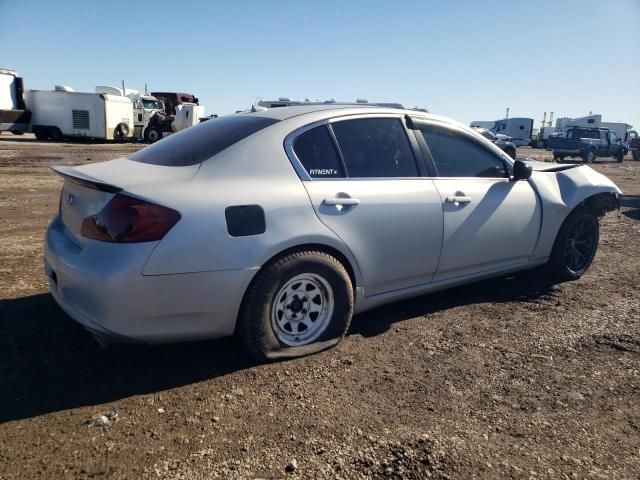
(490, 222)
(604, 146)
(614, 143)
(366, 185)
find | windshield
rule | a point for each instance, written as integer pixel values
(198, 143)
(150, 104)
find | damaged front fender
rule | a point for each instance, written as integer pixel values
(561, 191)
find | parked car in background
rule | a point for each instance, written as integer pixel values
(633, 143)
(588, 144)
(279, 225)
(502, 141)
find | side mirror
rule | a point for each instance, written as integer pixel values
(521, 171)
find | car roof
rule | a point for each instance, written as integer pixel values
(285, 113)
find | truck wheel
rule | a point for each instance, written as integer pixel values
(297, 305)
(635, 154)
(41, 133)
(539, 144)
(152, 135)
(121, 132)
(620, 156)
(17, 132)
(511, 152)
(55, 133)
(589, 156)
(575, 246)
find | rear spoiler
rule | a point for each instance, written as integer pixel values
(76, 176)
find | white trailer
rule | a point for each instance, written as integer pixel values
(14, 116)
(60, 113)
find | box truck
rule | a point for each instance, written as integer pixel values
(63, 113)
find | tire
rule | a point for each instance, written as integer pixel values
(17, 132)
(561, 158)
(511, 152)
(55, 133)
(272, 315)
(121, 132)
(635, 154)
(620, 156)
(41, 133)
(152, 135)
(589, 156)
(540, 144)
(579, 233)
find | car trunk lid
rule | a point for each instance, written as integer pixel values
(88, 188)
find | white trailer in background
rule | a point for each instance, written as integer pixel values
(518, 128)
(62, 113)
(594, 121)
(14, 116)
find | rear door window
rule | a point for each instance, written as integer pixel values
(375, 147)
(455, 155)
(317, 153)
(201, 142)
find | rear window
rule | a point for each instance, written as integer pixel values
(201, 142)
(318, 154)
(583, 133)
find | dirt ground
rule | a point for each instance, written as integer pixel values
(507, 378)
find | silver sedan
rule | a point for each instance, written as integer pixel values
(279, 225)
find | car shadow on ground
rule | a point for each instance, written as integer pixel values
(49, 363)
(520, 287)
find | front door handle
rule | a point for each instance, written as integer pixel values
(346, 201)
(458, 199)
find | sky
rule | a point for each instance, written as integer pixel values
(468, 60)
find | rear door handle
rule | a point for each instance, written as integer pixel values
(341, 201)
(457, 199)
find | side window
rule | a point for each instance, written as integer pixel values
(614, 137)
(375, 147)
(456, 156)
(317, 153)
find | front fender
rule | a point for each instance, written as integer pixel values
(561, 192)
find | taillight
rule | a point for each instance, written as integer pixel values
(129, 220)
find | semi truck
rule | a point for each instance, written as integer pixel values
(63, 113)
(14, 115)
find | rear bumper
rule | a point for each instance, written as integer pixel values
(100, 285)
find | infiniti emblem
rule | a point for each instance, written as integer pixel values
(70, 199)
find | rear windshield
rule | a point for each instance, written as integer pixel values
(201, 142)
(584, 133)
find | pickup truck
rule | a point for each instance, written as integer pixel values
(633, 140)
(587, 143)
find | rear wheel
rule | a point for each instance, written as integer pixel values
(589, 156)
(539, 144)
(575, 246)
(121, 132)
(635, 154)
(511, 152)
(298, 305)
(620, 156)
(41, 133)
(56, 134)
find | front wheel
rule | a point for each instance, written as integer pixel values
(620, 156)
(298, 305)
(575, 246)
(152, 135)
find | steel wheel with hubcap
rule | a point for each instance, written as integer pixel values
(298, 304)
(302, 309)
